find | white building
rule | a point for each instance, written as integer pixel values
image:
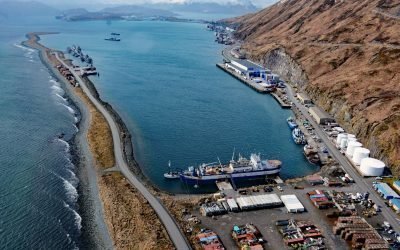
(292, 204)
(248, 68)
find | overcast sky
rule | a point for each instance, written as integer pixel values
(259, 3)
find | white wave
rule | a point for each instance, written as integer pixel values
(76, 128)
(72, 193)
(70, 165)
(61, 97)
(74, 179)
(76, 120)
(71, 110)
(24, 47)
(78, 218)
(54, 82)
(31, 60)
(57, 89)
(66, 144)
(28, 55)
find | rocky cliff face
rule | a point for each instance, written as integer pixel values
(344, 54)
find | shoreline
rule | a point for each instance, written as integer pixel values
(94, 232)
(114, 189)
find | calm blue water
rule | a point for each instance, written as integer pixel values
(163, 80)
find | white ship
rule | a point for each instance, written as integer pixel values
(240, 169)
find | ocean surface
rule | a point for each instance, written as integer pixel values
(163, 81)
(38, 183)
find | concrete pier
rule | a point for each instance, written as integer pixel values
(251, 84)
(281, 102)
(254, 85)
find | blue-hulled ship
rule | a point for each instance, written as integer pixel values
(292, 123)
(242, 169)
(298, 136)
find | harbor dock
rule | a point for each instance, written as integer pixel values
(251, 84)
(256, 86)
(281, 102)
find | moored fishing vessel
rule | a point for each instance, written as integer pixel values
(171, 174)
(292, 123)
(114, 37)
(298, 136)
(241, 169)
(311, 154)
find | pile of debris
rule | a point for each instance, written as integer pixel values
(208, 240)
(301, 234)
(321, 199)
(361, 234)
(248, 237)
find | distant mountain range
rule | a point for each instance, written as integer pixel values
(32, 8)
(239, 8)
(156, 10)
(120, 12)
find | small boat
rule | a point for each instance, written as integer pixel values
(298, 136)
(312, 154)
(113, 39)
(292, 123)
(171, 174)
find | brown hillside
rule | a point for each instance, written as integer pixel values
(345, 54)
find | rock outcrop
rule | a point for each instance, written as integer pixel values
(344, 54)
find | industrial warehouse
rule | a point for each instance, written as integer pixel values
(248, 68)
(320, 116)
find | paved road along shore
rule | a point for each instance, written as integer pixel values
(172, 228)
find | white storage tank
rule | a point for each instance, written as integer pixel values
(343, 143)
(340, 137)
(349, 139)
(360, 154)
(351, 146)
(351, 136)
(372, 167)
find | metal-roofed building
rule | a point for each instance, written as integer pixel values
(320, 116)
(292, 204)
(304, 98)
(386, 191)
(248, 68)
(395, 204)
(396, 185)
